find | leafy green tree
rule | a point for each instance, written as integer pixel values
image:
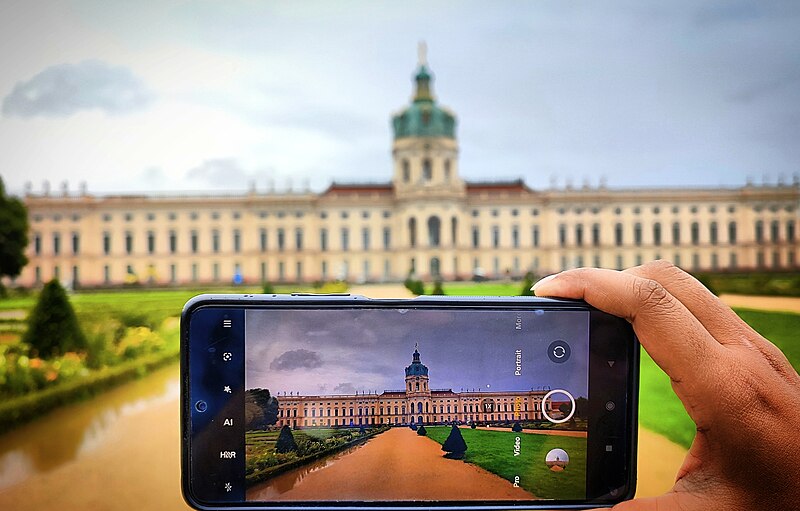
(455, 446)
(285, 442)
(260, 409)
(421, 431)
(53, 328)
(414, 285)
(13, 235)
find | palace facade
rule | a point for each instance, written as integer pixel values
(427, 219)
(416, 404)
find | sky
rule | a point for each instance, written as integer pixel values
(340, 352)
(210, 96)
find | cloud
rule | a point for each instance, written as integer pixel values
(223, 172)
(344, 388)
(66, 89)
(296, 359)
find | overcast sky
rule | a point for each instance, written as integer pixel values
(341, 352)
(174, 95)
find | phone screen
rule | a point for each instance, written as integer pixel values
(395, 405)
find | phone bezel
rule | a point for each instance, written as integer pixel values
(310, 300)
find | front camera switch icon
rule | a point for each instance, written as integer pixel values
(227, 356)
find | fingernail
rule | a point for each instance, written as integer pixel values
(544, 281)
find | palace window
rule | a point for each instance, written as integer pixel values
(106, 243)
(128, 242)
(695, 233)
(56, 243)
(535, 235)
(387, 238)
(427, 171)
(237, 240)
(676, 233)
(323, 240)
(173, 242)
(406, 172)
(515, 236)
(657, 234)
(345, 239)
(262, 239)
(365, 238)
(790, 231)
(281, 239)
(194, 242)
(579, 235)
(775, 229)
(637, 233)
(618, 234)
(215, 241)
(596, 235)
(298, 239)
(151, 242)
(712, 233)
(495, 236)
(562, 235)
(434, 231)
(759, 231)
(447, 170)
(732, 233)
(412, 232)
(76, 243)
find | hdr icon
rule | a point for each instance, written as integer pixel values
(228, 455)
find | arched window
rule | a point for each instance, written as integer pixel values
(712, 233)
(656, 234)
(637, 234)
(447, 170)
(406, 172)
(676, 234)
(427, 171)
(434, 231)
(412, 231)
(579, 235)
(695, 233)
(732, 233)
(454, 230)
(596, 235)
(618, 234)
(435, 267)
(419, 409)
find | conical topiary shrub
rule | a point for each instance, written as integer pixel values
(53, 328)
(413, 427)
(517, 427)
(421, 431)
(286, 441)
(473, 425)
(455, 446)
(362, 431)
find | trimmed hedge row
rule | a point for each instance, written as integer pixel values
(16, 411)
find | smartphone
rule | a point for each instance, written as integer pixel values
(345, 402)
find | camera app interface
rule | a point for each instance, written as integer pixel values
(415, 404)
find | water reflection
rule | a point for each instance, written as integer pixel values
(75, 430)
(280, 484)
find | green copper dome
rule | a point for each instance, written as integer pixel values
(424, 118)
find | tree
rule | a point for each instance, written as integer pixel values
(285, 442)
(473, 425)
(260, 409)
(455, 446)
(267, 288)
(53, 328)
(13, 235)
(362, 431)
(413, 426)
(421, 431)
(437, 288)
(517, 427)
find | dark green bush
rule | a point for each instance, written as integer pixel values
(527, 283)
(437, 288)
(421, 431)
(267, 288)
(285, 442)
(455, 446)
(53, 328)
(517, 427)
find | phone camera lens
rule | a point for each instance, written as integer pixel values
(201, 406)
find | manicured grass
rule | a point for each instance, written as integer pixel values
(494, 451)
(482, 288)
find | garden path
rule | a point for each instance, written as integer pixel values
(397, 464)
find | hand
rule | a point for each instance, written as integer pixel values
(738, 387)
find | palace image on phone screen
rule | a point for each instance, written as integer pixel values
(391, 404)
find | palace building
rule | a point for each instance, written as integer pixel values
(426, 219)
(417, 403)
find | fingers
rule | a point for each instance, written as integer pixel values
(721, 322)
(675, 339)
(718, 319)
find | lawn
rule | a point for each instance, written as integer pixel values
(494, 451)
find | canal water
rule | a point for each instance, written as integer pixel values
(119, 450)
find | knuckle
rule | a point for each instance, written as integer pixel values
(651, 293)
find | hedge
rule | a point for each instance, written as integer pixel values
(16, 411)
